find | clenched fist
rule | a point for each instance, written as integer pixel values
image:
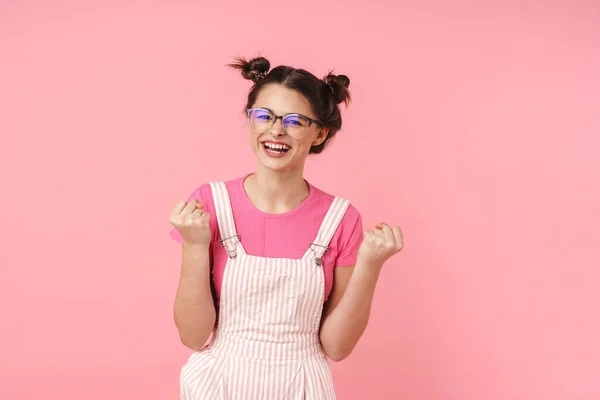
(380, 243)
(192, 222)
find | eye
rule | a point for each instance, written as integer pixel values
(261, 115)
(296, 120)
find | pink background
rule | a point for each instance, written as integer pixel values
(475, 126)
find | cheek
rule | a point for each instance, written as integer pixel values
(253, 136)
(303, 146)
(309, 139)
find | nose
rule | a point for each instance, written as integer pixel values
(277, 128)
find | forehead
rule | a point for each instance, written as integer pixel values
(282, 100)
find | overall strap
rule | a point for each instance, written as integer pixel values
(332, 220)
(229, 237)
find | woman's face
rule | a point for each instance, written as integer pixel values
(275, 149)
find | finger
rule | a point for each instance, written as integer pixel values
(399, 237)
(205, 217)
(178, 208)
(387, 233)
(189, 208)
(198, 212)
(375, 232)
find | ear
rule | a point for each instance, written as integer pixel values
(321, 136)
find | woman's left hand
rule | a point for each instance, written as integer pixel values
(380, 243)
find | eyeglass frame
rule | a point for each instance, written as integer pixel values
(276, 117)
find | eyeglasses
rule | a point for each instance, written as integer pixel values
(261, 120)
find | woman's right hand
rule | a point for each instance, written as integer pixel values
(192, 223)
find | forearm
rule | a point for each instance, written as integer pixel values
(194, 310)
(343, 327)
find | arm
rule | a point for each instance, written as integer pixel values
(194, 312)
(347, 311)
(346, 314)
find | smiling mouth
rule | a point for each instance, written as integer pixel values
(275, 148)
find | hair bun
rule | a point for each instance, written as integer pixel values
(254, 70)
(338, 86)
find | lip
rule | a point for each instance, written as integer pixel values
(274, 155)
(275, 142)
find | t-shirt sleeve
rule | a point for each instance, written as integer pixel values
(198, 194)
(351, 238)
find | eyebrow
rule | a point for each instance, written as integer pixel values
(293, 113)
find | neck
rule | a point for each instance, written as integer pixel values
(276, 192)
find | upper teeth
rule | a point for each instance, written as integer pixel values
(277, 146)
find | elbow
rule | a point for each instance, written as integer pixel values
(194, 338)
(336, 348)
(337, 354)
(195, 346)
(338, 357)
(195, 343)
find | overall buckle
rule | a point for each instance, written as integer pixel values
(231, 251)
(318, 259)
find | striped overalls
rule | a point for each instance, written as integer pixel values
(266, 345)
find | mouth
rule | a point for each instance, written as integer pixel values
(275, 149)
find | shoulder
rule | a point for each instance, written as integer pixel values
(204, 194)
(349, 233)
(324, 200)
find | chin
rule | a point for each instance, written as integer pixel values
(276, 164)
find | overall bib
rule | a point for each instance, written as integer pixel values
(266, 345)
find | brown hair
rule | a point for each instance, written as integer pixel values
(324, 95)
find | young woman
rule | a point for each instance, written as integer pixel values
(279, 270)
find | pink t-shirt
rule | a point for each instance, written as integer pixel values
(286, 235)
